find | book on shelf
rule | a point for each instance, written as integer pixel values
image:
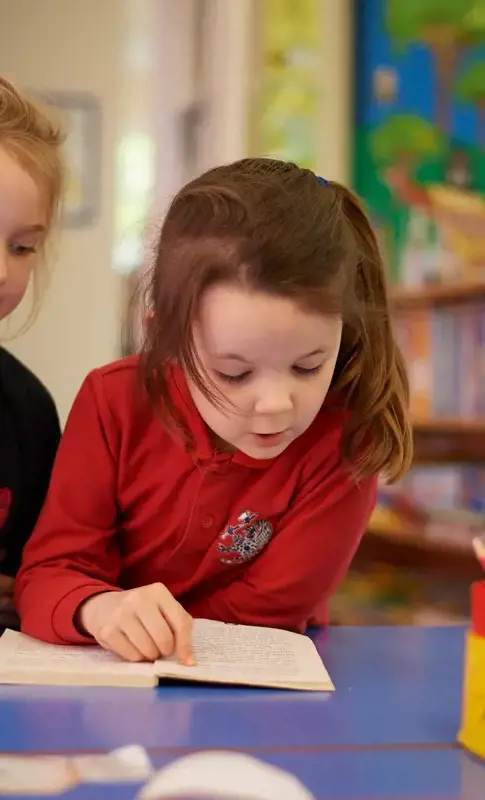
(434, 507)
(225, 654)
(444, 486)
(444, 351)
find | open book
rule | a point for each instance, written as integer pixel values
(228, 654)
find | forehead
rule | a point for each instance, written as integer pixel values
(232, 320)
(21, 201)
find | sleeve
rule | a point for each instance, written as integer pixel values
(305, 561)
(73, 553)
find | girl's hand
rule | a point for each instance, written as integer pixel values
(139, 624)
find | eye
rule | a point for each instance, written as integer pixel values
(22, 250)
(307, 372)
(234, 378)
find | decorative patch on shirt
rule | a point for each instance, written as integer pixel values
(5, 503)
(244, 541)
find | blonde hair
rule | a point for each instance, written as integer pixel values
(34, 140)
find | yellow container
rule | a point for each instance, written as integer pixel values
(472, 732)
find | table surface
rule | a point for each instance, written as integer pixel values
(387, 733)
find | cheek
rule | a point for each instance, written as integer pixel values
(316, 390)
(12, 293)
(19, 276)
(223, 422)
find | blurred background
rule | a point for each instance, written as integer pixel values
(387, 96)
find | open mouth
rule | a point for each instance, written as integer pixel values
(269, 439)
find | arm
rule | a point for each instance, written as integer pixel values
(308, 557)
(40, 435)
(72, 553)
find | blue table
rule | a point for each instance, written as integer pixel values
(387, 733)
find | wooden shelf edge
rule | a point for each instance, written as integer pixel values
(452, 425)
(436, 294)
(420, 541)
(405, 551)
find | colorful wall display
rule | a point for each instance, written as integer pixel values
(420, 134)
(286, 120)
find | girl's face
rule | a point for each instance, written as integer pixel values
(23, 223)
(271, 359)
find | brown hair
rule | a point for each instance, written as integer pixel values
(275, 228)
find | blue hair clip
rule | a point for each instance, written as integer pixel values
(321, 180)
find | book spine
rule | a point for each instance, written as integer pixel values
(466, 379)
(440, 366)
(481, 362)
(421, 365)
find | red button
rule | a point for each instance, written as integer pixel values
(207, 522)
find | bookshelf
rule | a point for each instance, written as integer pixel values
(450, 426)
(441, 330)
(423, 182)
(438, 294)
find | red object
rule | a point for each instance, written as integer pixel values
(5, 504)
(478, 607)
(233, 538)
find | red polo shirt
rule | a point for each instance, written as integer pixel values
(233, 538)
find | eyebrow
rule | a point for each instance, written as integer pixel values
(30, 229)
(236, 357)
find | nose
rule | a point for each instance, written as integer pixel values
(274, 400)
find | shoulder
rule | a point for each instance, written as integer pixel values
(117, 391)
(121, 371)
(24, 392)
(117, 383)
(17, 379)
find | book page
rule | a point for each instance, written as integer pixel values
(251, 655)
(24, 659)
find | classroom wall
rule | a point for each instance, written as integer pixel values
(69, 45)
(336, 64)
(141, 60)
(138, 58)
(302, 84)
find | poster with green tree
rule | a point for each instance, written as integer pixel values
(420, 134)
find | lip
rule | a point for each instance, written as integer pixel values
(270, 439)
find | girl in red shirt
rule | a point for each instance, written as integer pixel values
(230, 470)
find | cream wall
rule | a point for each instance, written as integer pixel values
(72, 45)
(239, 50)
(140, 59)
(334, 152)
(231, 83)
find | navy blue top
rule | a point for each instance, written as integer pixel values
(29, 436)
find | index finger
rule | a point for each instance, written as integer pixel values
(181, 624)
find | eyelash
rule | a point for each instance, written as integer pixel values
(300, 371)
(21, 251)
